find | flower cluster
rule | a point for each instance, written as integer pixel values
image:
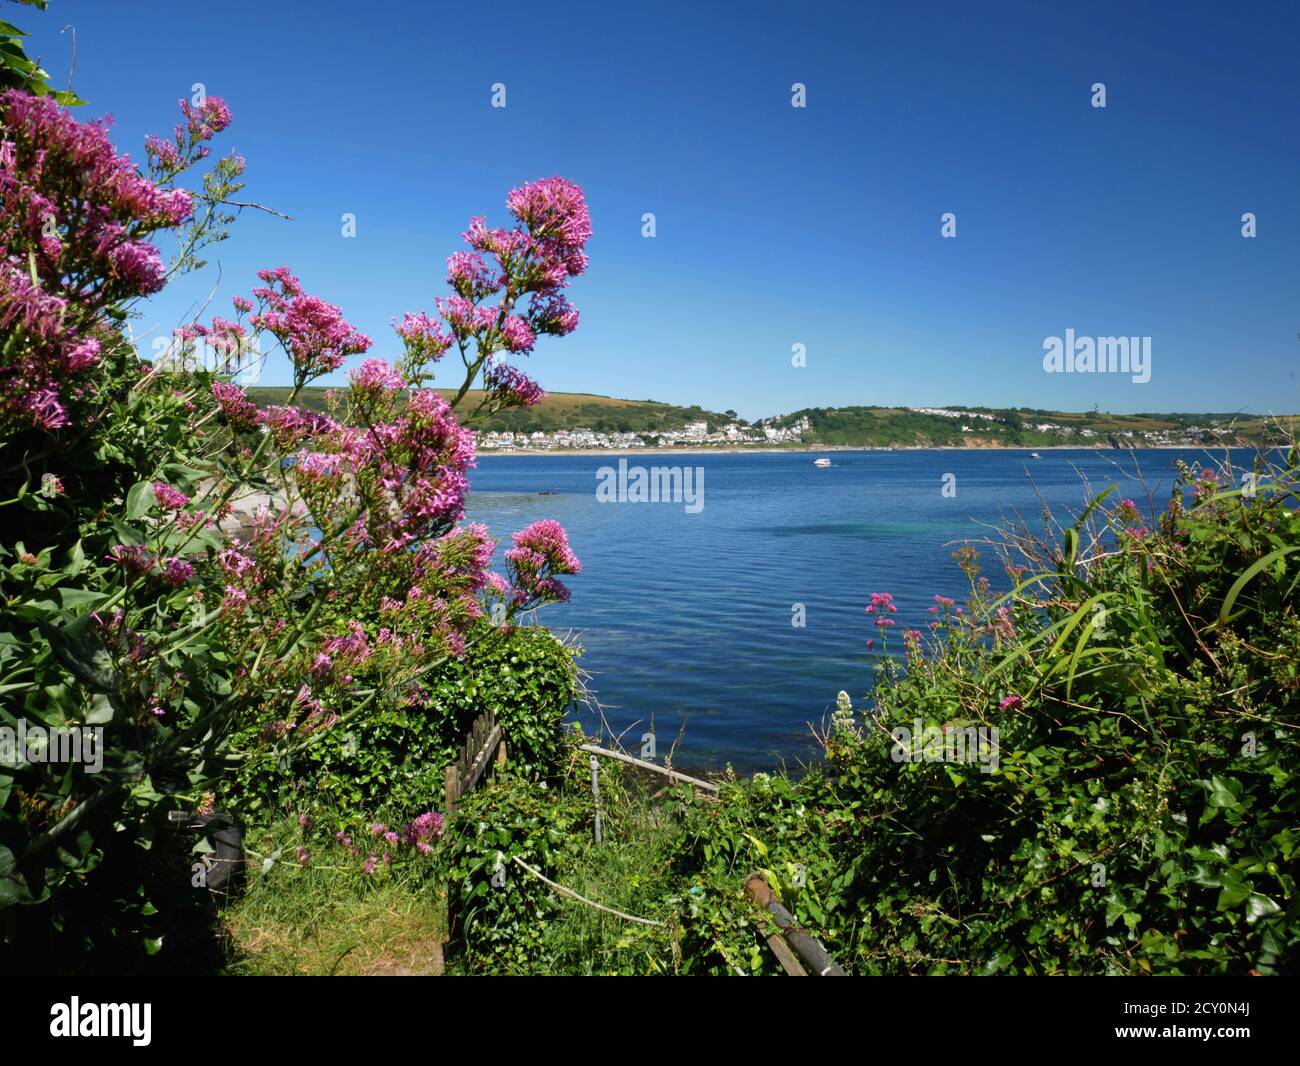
(312, 332)
(74, 227)
(540, 552)
(527, 267)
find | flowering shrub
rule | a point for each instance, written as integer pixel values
(139, 600)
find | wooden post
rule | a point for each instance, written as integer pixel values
(595, 792)
(808, 948)
(451, 788)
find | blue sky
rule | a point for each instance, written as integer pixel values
(775, 225)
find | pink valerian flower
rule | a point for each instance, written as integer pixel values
(881, 603)
(54, 286)
(464, 317)
(517, 335)
(505, 244)
(375, 374)
(242, 304)
(378, 829)
(206, 119)
(312, 332)
(240, 412)
(164, 154)
(137, 265)
(558, 220)
(540, 552)
(511, 387)
(290, 426)
(133, 558)
(423, 829)
(351, 650)
(169, 498)
(553, 314)
(553, 209)
(465, 552)
(235, 563)
(1126, 511)
(1002, 625)
(413, 471)
(423, 336)
(177, 571)
(470, 277)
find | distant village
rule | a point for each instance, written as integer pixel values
(768, 431)
(693, 434)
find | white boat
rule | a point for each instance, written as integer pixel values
(1034, 455)
(821, 462)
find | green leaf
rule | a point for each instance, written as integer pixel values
(139, 499)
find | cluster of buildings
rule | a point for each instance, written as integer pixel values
(693, 434)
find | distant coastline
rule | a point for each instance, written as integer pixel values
(813, 449)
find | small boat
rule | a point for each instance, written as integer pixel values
(821, 462)
(1034, 455)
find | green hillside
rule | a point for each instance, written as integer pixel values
(868, 427)
(559, 410)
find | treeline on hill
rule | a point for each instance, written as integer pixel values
(1013, 427)
(557, 411)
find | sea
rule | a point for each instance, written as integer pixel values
(727, 624)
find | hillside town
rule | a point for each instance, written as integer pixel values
(691, 435)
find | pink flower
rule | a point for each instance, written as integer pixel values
(177, 572)
(517, 336)
(541, 551)
(170, 498)
(511, 387)
(134, 558)
(312, 332)
(1010, 703)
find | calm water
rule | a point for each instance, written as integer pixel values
(686, 618)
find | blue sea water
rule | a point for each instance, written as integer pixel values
(686, 619)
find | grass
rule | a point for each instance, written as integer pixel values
(323, 922)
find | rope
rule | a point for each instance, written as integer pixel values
(583, 899)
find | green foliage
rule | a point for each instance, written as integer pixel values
(83, 850)
(1143, 814)
(523, 674)
(501, 912)
(19, 71)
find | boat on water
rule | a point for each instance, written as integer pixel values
(1034, 455)
(821, 462)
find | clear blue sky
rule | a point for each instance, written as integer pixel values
(776, 225)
